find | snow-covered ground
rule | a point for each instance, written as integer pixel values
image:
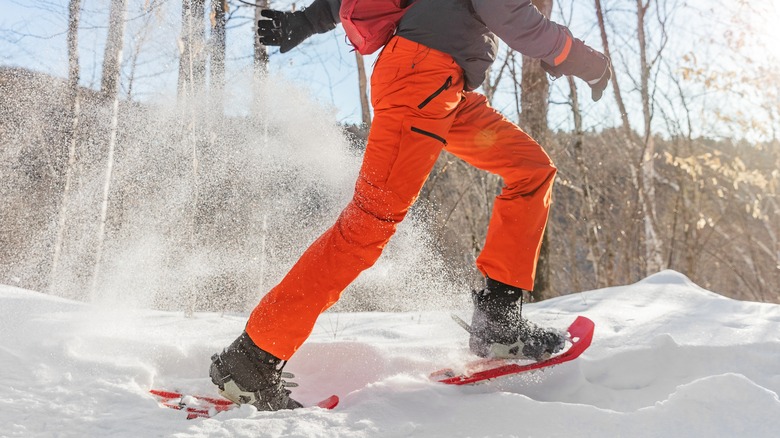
(668, 359)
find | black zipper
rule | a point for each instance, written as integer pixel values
(429, 134)
(441, 89)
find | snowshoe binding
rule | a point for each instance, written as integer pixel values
(245, 374)
(499, 331)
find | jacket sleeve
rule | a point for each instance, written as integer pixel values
(524, 28)
(323, 14)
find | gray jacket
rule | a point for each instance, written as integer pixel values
(468, 30)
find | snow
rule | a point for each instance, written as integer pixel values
(668, 359)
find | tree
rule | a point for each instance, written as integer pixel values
(192, 62)
(217, 48)
(260, 57)
(109, 91)
(260, 51)
(653, 241)
(533, 119)
(109, 84)
(141, 36)
(615, 83)
(74, 14)
(362, 89)
(643, 163)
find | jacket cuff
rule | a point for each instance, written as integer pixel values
(565, 51)
(583, 62)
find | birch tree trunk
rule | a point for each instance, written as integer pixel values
(652, 239)
(185, 49)
(192, 62)
(192, 77)
(261, 53)
(642, 167)
(363, 90)
(110, 90)
(74, 15)
(260, 64)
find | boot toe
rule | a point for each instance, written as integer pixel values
(245, 374)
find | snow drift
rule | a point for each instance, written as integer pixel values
(668, 359)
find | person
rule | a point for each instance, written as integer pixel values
(421, 92)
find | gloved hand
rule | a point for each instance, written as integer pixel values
(587, 64)
(284, 29)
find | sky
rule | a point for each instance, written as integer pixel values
(32, 34)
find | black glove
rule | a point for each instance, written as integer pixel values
(587, 64)
(284, 29)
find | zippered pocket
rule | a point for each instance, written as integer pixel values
(429, 134)
(446, 86)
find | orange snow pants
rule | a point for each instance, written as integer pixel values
(420, 108)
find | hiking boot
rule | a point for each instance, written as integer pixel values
(499, 331)
(245, 374)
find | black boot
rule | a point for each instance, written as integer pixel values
(499, 331)
(245, 374)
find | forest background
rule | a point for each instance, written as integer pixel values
(152, 152)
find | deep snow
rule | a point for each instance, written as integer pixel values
(668, 359)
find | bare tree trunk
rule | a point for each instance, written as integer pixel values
(260, 65)
(629, 143)
(629, 138)
(192, 63)
(363, 88)
(217, 55)
(141, 37)
(185, 49)
(112, 53)
(615, 84)
(110, 90)
(653, 242)
(533, 119)
(261, 53)
(642, 167)
(192, 87)
(198, 46)
(74, 15)
(534, 100)
(592, 237)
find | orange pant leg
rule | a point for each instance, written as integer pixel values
(415, 93)
(485, 139)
